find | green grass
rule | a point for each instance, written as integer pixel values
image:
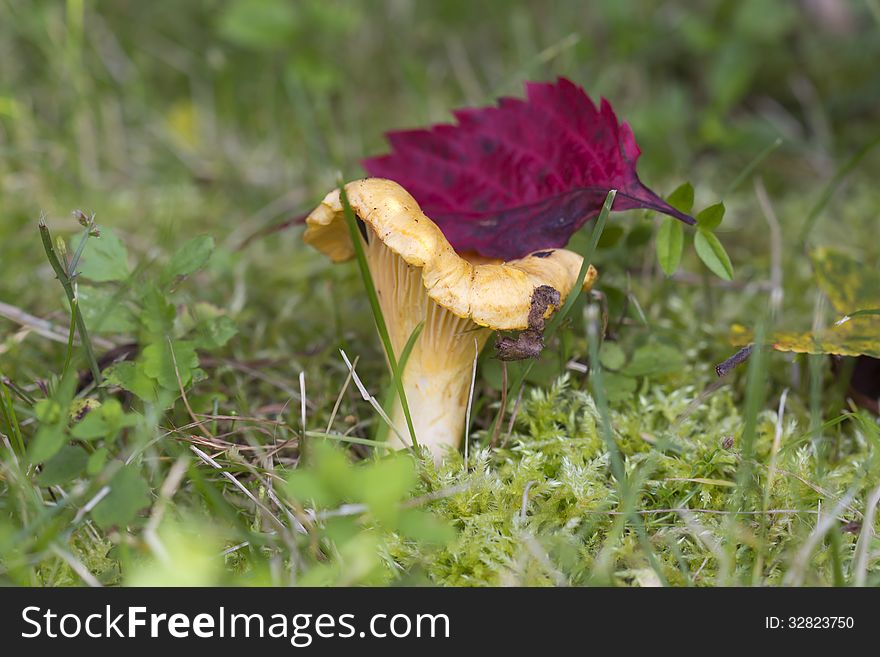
(622, 459)
(363, 268)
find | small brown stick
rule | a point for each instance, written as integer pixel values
(43, 327)
(740, 357)
(513, 415)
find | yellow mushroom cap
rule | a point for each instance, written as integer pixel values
(494, 294)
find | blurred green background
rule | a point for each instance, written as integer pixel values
(252, 99)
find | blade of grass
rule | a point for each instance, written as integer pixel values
(9, 417)
(89, 224)
(808, 434)
(341, 394)
(526, 71)
(559, 316)
(17, 390)
(757, 571)
(388, 397)
(302, 405)
(756, 378)
(835, 547)
(377, 311)
(857, 313)
(860, 559)
(831, 187)
(626, 491)
(367, 397)
(816, 371)
(347, 439)
(756, 383)
(597, 386)
(751, 166)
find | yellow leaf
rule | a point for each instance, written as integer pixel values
(850, 286)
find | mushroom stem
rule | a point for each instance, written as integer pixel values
(437, 374)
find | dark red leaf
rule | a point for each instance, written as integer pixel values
(522, 176)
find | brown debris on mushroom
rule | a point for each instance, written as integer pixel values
(529, 343)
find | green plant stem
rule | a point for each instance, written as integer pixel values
(815, 368)
(22, 394)
(74, 262)
(67, 284)
(347, 439)
(364, 268)
(756, 381)
(71, 334)
(597, 385)
(834, 546)
(751, 166)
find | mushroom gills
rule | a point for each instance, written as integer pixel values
(437, 375)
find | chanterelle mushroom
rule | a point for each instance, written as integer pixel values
(461, 298)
